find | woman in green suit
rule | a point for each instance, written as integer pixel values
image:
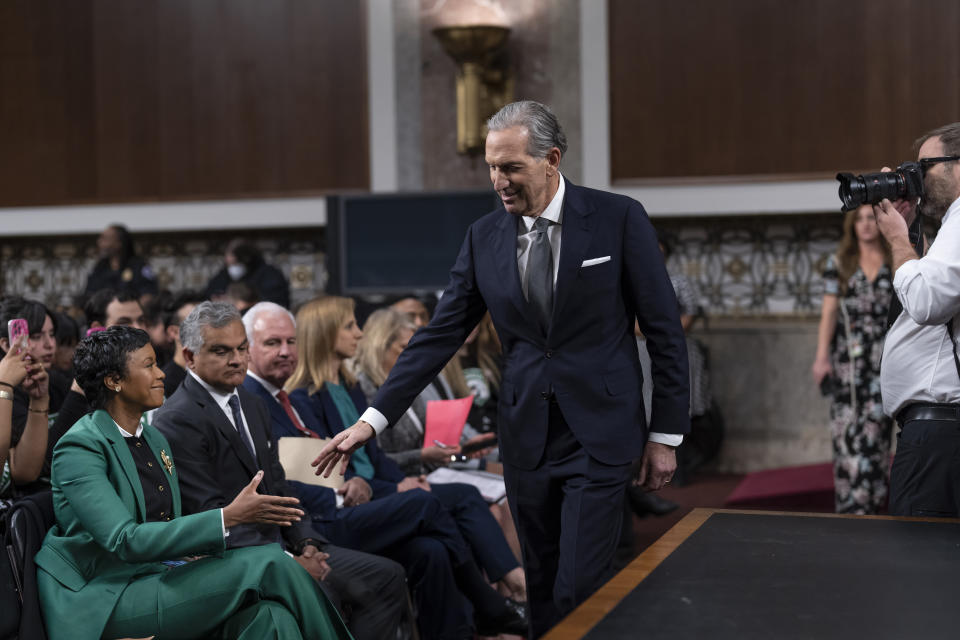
(121, 561)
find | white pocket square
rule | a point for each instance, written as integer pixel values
(593, 261)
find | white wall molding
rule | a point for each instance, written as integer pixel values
(382, 96)
(177, 216)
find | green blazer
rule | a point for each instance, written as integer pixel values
(101, 540)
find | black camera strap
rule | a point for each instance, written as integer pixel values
(896, 307)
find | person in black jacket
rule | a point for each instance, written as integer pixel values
(245, 263)
(119, 267)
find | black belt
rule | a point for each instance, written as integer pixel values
(929, 411)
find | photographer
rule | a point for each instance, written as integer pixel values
(920, 371)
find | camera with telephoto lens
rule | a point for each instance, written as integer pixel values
(906, 182)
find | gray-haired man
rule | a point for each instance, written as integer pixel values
(220, 434)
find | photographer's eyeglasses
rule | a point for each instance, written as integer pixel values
(926, 163)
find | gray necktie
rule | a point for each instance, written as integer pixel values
(234, 403)
(539, 273)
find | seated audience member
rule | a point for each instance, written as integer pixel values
(244, 263)
(412, 527)
(67, 335)
(121, 560)
(452, 381)
(386, 334)
(20, 450)
(104, 309)
(241, 295)
(35, 398)
(176, 369)
(479, 359)
(119, 267)
(153, 317)
(220, 433)
(414, 309)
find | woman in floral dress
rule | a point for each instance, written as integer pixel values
(853, 322)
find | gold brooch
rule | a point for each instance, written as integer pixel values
(167, 462)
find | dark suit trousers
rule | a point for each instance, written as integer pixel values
(370, 589)
(569, 512)
(925, 477)
(414, 529)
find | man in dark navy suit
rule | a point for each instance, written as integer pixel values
(564, 271)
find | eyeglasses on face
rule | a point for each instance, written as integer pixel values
(926, 163)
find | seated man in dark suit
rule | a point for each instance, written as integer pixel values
(176, 368)
(220, 435)
(412, 527)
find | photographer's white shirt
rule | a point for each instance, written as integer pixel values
(917, 363)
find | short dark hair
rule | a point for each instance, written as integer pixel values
(68, 331)
(104, 353)
(949, 135)
(171, 312)
(95, 310)
(35, 313)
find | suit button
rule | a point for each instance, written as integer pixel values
(150, 464)
(160, 487)
(545, 395)
(163, 513)
(548, 355)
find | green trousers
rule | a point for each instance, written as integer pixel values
(253, 592)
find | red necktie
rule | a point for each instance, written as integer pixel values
(285, 401)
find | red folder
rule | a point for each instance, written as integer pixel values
(445, 420)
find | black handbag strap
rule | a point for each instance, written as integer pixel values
(953, 344)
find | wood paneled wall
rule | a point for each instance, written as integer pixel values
(777, 87)
(112, 100)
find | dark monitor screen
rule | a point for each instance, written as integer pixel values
(398, 243)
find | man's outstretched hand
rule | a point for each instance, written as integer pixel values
(341, 446)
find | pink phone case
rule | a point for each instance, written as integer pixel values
(19, 332)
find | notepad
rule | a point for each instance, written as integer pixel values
(445, 420)
(297, 453)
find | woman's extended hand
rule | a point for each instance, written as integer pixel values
(252, 507)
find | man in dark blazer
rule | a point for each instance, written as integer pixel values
(220, 434)
(564, 271)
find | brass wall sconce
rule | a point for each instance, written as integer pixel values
(483, 86)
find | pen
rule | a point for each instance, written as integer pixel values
(440, 444)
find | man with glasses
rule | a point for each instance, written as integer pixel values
(920, 369)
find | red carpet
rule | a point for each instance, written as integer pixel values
(806, 488)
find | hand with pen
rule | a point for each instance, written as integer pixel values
(440, 453)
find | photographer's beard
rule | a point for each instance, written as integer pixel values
(939, 192)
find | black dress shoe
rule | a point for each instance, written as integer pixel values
(644, 503)
(513, 620)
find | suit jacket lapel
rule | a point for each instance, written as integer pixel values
(505, 256)
(575, 232)
(212, 412)
(122, 451)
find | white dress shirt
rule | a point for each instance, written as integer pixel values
(917, 363)
(222, 399)
(554, 213)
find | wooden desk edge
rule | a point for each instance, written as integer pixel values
(587, 615)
